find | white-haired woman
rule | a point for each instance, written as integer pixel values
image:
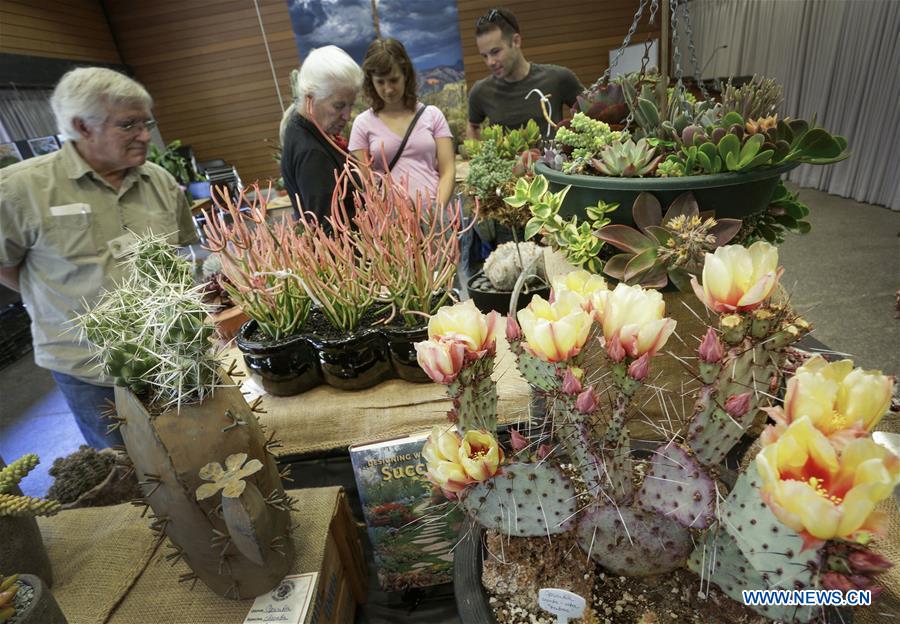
(327, 86)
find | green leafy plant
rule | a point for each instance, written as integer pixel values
(627, 159)
(172, 161)
(585, 137)
(785, 213)
(578, 241)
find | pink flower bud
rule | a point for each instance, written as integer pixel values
(586, 402)
(711, 350)
(543, 451)
(517, 441)
(513, 332)
(640, 368)
(571, 384)
(866, 561)
(737, 405)
(615, 350)
(836, 580)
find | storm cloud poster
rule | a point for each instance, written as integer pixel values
(429, 29)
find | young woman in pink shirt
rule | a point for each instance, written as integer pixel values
(426, 165)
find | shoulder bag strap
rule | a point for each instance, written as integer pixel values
(409, 130)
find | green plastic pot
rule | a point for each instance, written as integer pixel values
(729, 195)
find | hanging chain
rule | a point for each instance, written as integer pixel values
(676, 52)
(625, 44)
(696, 65)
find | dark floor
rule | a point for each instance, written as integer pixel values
(844, 276)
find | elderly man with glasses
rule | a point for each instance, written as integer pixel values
(67, 218)
(501, 97)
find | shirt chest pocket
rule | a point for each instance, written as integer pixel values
(71, 231)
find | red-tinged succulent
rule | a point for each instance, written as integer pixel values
(664, 247)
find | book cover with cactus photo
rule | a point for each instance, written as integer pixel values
(411, 526)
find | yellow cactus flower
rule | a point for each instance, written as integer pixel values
(480, 455)
(737, 278)
(441, 453)
(555, 331)
(582, 283)
(441, 359)
(465, 323)
(820, 492)
(633, 318)
(441, 445)
(841, 401)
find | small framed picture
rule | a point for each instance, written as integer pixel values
(43, 145)
(9, 154)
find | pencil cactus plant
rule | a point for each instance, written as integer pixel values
(179, 412)
(801, 516)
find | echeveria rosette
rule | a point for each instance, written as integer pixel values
(821, 492)
(586, 285)
(463, 322)
(555, 332)
(737, 278)
(455, 462)
(841, 401)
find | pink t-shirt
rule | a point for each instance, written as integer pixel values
(418, 166)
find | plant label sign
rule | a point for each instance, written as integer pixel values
(561, 603)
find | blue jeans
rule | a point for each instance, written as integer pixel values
(87, 402)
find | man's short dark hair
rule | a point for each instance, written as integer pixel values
(502, 19)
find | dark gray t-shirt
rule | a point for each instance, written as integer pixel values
(505, 104)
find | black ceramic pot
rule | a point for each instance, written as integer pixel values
(401, 348)
(287, 367)
(471, 599)
(353, 362)
(488, 300)
(43, 608)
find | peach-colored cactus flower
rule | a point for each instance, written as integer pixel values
(441, 453)
(823, 493)
(441, 359)
(634, 316)
(556, 331)
(582, 283)
(463, 322)
(480, 455)
(841, 401)
(737, 279)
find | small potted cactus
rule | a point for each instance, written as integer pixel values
(181, 417)
(25, 599)
(799, 516)
(26, 551)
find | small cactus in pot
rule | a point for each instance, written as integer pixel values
(180, 413)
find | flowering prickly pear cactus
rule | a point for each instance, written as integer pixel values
(800, 517)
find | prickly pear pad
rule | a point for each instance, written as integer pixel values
(677, 486)
(526, 500)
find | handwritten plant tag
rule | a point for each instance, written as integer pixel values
(561, 603)
(286, 604)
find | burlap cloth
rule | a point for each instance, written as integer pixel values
(327, 419)
(109, 568)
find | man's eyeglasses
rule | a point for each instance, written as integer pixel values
(491, 17)
(136, 125)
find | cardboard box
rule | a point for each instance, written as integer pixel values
(343, 578)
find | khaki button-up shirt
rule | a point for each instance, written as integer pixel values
(57, 218)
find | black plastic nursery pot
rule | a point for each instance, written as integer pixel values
(471, 598)
(401, 347)
(355, 362)
(730, 195)
(289, 366)
(489, 300)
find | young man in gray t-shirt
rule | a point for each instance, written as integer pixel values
(501, 97)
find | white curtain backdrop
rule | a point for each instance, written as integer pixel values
(837, 58)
